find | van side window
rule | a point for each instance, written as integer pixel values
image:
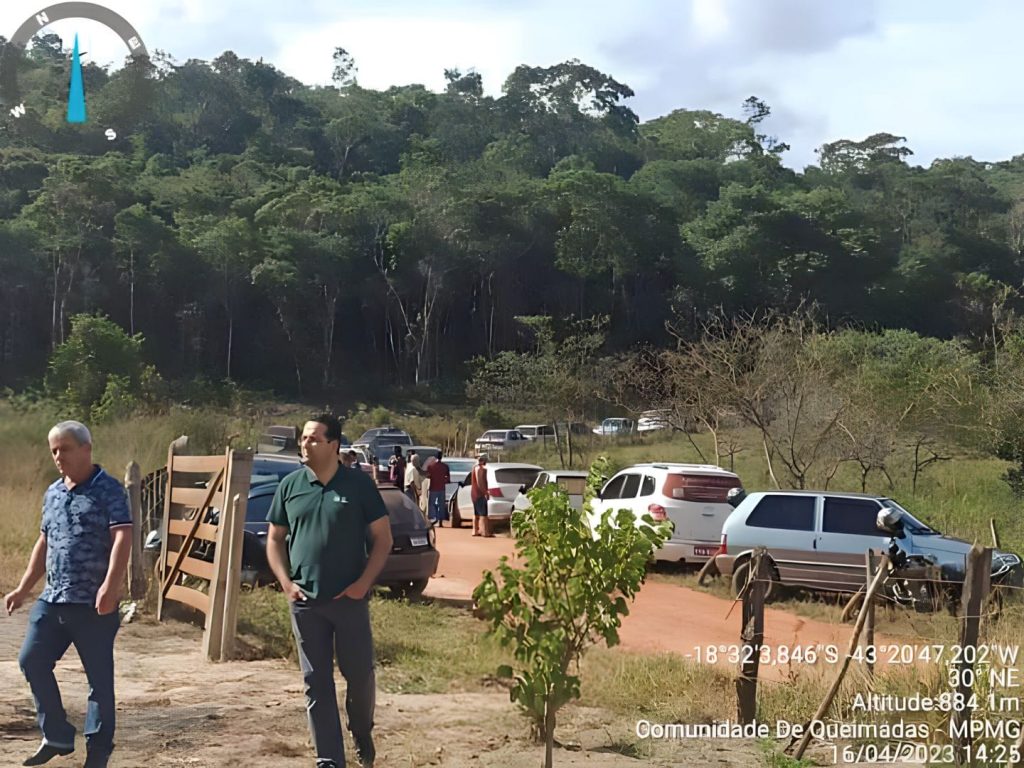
(614, 488)
(791, 513)
(631, 487)
(852, 516)
(647, 488)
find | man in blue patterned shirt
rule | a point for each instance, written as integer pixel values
(83, 549)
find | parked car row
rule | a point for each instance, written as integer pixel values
(411, 563)
(813, 539)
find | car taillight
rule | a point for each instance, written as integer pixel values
(657, 512)
(495, 493)
(723, 550)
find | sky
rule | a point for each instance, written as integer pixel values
(942, 73)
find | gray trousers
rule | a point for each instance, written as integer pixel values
(323, 629)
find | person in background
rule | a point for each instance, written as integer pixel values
(412, 480)
(479, 494)
(83, 549)
(353, 460)
(396, 467)
(440, 476)
(347, 459)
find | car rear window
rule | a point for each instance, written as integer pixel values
(574, 486)
(707, 488)
(514, 476)
(851, 516)
(790, 513)
(401, 509)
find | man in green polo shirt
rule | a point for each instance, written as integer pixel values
(316, 547)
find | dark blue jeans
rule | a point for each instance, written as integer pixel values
(52, 628)
(438, 510)
(325, 630)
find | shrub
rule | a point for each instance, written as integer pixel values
(490, 417)
(571, 593)
(99, 370)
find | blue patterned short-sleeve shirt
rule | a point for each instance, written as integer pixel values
(77, 526)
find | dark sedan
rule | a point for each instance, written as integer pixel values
(413, 559)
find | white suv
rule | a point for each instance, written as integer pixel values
(692, 496)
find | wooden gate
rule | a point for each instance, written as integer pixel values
(201, 541)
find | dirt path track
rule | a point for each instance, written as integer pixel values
(176, 711)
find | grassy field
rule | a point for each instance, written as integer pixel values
(432, 648)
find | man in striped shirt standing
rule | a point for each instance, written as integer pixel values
(83, 548)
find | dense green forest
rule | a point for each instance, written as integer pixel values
(307, 239)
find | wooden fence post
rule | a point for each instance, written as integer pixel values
(751, 636)
(232, 594)
(869, 608)
(175, 447)
(869, 596)
(136, 574)
(238, 468)
(976, 585)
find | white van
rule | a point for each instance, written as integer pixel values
(692, 496)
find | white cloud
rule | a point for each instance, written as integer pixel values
(391, 51)
(941, 72)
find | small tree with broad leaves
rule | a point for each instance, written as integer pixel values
(571, 592)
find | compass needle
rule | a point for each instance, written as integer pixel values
(76, 92)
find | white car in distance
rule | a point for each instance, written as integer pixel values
(495, 441)
(649, 421)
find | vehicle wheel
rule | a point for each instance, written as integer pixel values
(740, 576)
(410, 590)
(454, 514)
(415, 588)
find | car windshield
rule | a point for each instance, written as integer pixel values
(910, 522)
(459, 465)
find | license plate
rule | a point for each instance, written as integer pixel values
(418, 541)
(705, 551)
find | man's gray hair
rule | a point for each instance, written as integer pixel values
(76, 429)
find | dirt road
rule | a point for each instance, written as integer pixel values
(664, 619)
(176, 711)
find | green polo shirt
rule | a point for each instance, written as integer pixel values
(327, 527)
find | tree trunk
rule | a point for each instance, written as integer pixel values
(771, 469)
(56, 302)
(549, 735)
(231, 338)
(558, 442)
(131, 290)
(291, 345)
(330, 306)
